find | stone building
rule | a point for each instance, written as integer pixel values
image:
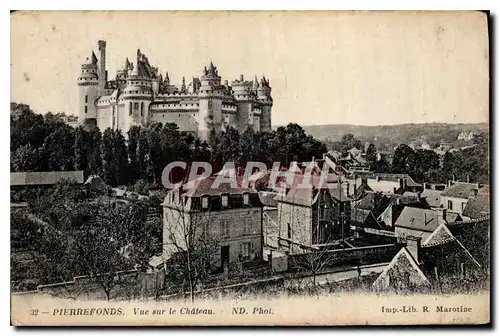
(140, 95)
(231, 216)
(457, 194)
(314, 215)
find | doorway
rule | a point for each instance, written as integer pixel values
(224, 256)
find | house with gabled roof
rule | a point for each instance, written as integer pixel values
(231, 214)
(455, 197)
(478, 206)
(419, 222)
(452, 253)
(312, 214)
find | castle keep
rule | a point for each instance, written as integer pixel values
(140, 95)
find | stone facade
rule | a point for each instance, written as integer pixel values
(140, 95)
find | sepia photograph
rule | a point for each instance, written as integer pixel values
(250, 168)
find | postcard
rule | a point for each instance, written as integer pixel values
(250, 168)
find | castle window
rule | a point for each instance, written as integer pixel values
(85, 109)
(142, 109)
(86, 98)
(136, 106)
(130, 108)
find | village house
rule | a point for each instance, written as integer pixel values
(230, 215)
(418, 222)
(465, 136)
(455, 197)
(453, 254)
(385, 183)
(390, 213)
(314, 215)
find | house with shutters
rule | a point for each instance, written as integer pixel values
(230, 214)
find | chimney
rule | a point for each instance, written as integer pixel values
(441, 215)
(226, 83)
(413, 245)
(347, 188)
(450, 183)
(453, 177)
(478, 186)
(241, 78)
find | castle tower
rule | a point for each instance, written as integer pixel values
(137, 96)
(266, 101)
(88, 92)
(245, 96)
(210, 95)
(103, 74)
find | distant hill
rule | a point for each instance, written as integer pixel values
(387, 136)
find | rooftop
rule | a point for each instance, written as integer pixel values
(462, 189)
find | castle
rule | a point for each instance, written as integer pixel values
(139, 95)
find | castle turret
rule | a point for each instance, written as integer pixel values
(137, 95)
(88, 92)
(210, 96)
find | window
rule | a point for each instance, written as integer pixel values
(224, 200)
(85, 109)
(463, 205)
(450, 205)
(142, 109)
(86, 99)
(130, 108)
(247, 226)
(204, 202)
(289, 231)
(224, 228)
(245, 250)
(136, 106)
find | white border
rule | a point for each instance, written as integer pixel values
(191, 5)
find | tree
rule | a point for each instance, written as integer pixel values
(108, 158)
(314, 262)
(192, 245)
(120, 158)
(133, 140)
(402, 161)
(94, 152)
(81, 152)
(371, 156)
(100, 246)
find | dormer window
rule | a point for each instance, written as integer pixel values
(204, 202)
(224, 200)
(246, 199)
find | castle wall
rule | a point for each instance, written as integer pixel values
(186, 120)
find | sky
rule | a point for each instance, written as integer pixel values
(363, 68)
